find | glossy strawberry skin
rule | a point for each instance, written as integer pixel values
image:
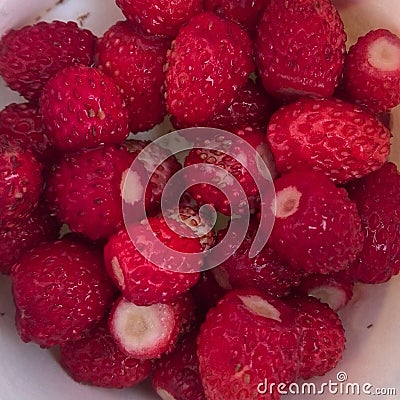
(251, 348)
(377, 197)
(318, 228)
(332, 136)
(96, 360)
(23, 124)
(60, 289)
(135, 61)
(210, 60)
(160, 17)
(82, 107)
(300, 48)
(30, 56)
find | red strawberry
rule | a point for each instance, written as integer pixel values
(300, 48)
(177, 375)
(210, 61)
(142, 281)
(377, 197)
(147, 332)
(160, 17)
(60, 289)
(371, 75)
(84, 190)
(322, 339)
(317, 227)
(329, 135)
(21, 236)
(248, 338)
(135, 62)
(230, 168)
(246, 13)
(336, 289)
(23, 124)
(266, 271)
(96, 360)
(20, 183)
(30, 56)
(82, 107)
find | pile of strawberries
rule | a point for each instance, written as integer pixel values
(274, 72)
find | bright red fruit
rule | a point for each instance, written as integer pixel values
(30, 56)
(210, 60)
(300, 48)
(377, 197)
(82, 107)
(96, 360)
(329, 135)
(60, 289)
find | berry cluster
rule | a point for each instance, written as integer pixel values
(274, 73)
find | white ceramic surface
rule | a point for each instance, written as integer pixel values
(372, 320)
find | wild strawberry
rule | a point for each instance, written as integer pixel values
(60, 289)
(371, 75)
(20, 184)
(176, 375)
(377, 197)
(148, 332)
(160, 17)
(96, 360)
(23, 124)
(266, 271)
(248, 338)
(135, 62)
(30, 56)
(84, 190)
(337, 138)
(336, 289)
(322, 339)
(210, 60)
(18, 237)
(82, 107)
(317, 227)
(300, 48)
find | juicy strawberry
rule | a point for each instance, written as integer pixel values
(143, 282)
(329, 135)
(317, 227)
(30, 56)
(378, 200)
(82, 107)
(210, 61)
(300, 48)
(266, 271)
(23, 124)
(246, 13)
(20, 184)
(84, 190)
(336, 289)
(160, 17)
(135, 62)
(60, 289)
(371, 75)
(248, 338)
(230, 168)
(177, 375)
(21, 236)
(322, 339)
(148, 332)
(96, 360)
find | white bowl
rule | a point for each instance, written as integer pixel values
(372, 320)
